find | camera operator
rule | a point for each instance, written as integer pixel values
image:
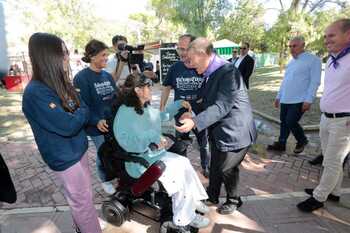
(118, 65)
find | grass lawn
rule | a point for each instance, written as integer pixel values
(264, 85)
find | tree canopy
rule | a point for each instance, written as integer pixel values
(240, 20)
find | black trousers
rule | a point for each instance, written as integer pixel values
(290, 115)
(8, 192)
(202, 139)
(224, 168)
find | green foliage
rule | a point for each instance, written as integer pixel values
(244, 23)
(76, 23)
(152, 28)
(289, 24)
(73, 20)
(308, 20)
(199, 17)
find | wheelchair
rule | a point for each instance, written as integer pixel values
(144, 195)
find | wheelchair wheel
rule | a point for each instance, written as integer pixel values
(114, 212)
(169, 227)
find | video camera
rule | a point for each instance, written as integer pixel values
(135, 53)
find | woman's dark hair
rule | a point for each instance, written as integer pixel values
(92, 49)
(47, 52)
(128, 95)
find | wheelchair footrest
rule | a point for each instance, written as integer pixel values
(146, 209)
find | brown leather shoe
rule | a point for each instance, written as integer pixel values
(299, 147)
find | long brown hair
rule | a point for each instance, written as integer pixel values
(128, 95)
(47, 56)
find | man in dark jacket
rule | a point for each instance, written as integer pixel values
(245, 63)
(227, 114)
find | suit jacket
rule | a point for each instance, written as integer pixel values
(246, 68)
(226, 110)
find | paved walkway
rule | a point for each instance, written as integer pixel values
(37, 187)
(274, 214)
(270, 183)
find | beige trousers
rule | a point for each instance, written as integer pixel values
(335, 143)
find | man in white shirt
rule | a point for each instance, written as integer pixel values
(117, 64)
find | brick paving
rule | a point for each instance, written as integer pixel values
(37, 187)
(255, 216)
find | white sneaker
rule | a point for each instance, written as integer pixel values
(200, 222)
(103, 224)
(202, 208)
(108, 188)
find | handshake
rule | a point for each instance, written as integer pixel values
(186, 121)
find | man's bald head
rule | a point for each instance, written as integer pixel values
(337, 36)
(199, 52)
(297, 45)
(202, 45)
(343, 24)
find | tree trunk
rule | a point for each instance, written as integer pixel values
(294, 6)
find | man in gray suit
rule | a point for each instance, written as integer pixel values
(227, 114)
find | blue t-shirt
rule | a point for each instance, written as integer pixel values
(185, 82)
(98, 90)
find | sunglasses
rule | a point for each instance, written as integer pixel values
(292, 46)
(243, 48)
(234, 51)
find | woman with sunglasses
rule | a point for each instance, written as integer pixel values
(98, 90)
(57, 117)
(136, 126)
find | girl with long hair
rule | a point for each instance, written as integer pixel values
(57, 117)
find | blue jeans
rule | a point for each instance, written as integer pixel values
(98, 141)
(290, 115)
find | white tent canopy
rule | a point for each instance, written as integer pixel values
(225, 43)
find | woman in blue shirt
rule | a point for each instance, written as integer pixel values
(57, 117)
(137, 126)
(98, 90)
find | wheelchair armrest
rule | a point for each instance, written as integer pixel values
(148, 178)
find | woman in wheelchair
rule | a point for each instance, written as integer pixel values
(137, 128)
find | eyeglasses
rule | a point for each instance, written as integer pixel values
(243, 48)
